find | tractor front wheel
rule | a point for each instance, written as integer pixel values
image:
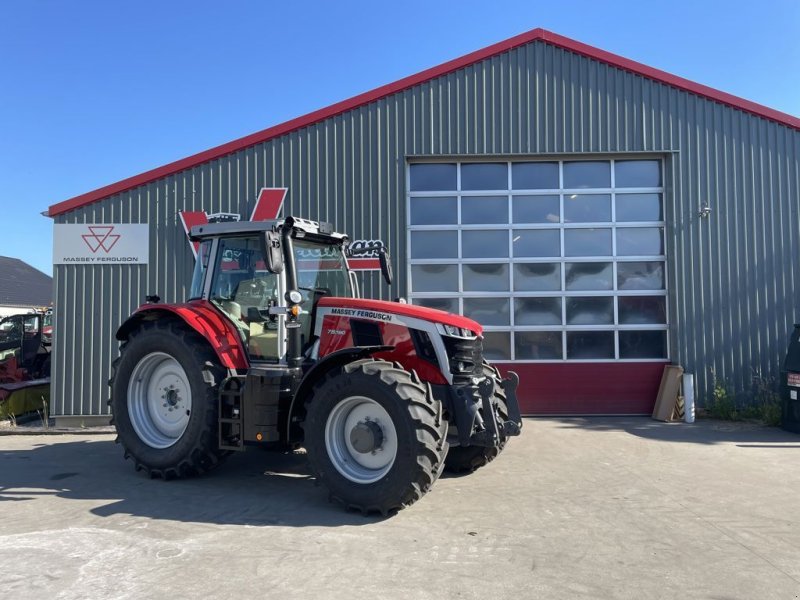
(375, 436)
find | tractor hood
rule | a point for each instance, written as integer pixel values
(406, 310)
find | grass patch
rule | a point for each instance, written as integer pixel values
(760, 403)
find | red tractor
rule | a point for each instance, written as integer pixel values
(274, 347)
(25, 364)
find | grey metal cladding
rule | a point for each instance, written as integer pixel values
(732, 276)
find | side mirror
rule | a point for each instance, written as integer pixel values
(273, 252)
(386, 265)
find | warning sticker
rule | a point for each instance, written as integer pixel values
(794, 379)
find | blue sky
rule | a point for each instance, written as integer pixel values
(92, 92)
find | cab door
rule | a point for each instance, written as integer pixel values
(244, 290)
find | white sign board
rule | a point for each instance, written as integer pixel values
(101, 244)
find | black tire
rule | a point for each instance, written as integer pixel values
(466, 459)
(417, 421)
(196, 450)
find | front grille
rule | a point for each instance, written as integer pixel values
(468, 354)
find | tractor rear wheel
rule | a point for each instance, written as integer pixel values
(466, 459)
(375, 436)
(163, 400)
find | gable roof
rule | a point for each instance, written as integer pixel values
(453, 65)
(22, 285)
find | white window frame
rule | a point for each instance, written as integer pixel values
(561, 260)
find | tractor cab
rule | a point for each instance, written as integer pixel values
(256, 272)
(23, 351)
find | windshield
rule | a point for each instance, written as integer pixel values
(321, 269)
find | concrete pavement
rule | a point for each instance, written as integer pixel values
(574, 508)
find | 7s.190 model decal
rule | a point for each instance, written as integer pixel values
(268, 206)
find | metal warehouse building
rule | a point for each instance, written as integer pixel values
(599, 217)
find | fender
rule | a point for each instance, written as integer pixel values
(202, 317)
(321, 368)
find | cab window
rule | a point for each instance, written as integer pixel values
(200, 267)
(11, 333)
(244, 290)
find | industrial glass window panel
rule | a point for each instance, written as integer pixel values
(484, 243)
(488, 311)
(442, 210)
(589, 276)
(536, 242)
(638, 207)
(587, 242)
(587, 208)
(587, 174)
(536, 209)
(476, 210)
(640, 275)
(642, 310)
(637, 173)
(534, 176)
(486, 278)
(643, 344)
(537, 277)
(434, 244)
(446, 304)
(433, 177)
(640, 241)
(434, 278)
(496, 345)
(573, 250)
(537, 311)
(584, 345)
(590, 310)
(538, 345)
(484, 176)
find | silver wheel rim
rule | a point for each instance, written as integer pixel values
(159, 400)
(360, 467)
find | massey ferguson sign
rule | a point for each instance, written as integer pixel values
(111, 243)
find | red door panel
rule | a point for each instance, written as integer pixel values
(586, 388)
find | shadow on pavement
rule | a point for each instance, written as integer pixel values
(702, 431)
(255, 488)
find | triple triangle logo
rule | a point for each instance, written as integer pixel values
(101, 237)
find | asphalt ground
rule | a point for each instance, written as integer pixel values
(574, 508)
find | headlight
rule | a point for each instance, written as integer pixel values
(453, 331)
(450, 330)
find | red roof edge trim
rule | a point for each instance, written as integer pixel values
(679, 82)
(410, 81)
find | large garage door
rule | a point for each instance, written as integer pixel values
(563, 262)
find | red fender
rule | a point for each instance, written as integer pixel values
(205, 319)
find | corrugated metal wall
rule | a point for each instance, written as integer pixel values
(732, 276)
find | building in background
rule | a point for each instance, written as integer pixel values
(600, 217)
(23, 288)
